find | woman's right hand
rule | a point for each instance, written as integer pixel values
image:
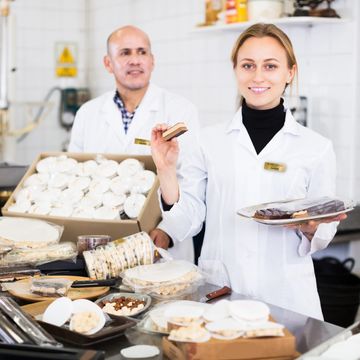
(165, 155)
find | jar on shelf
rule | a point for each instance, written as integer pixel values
(236, 11)
(231, 11)
(259, 10)
(212, 9)
(241, 7)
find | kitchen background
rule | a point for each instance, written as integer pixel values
(190, 61)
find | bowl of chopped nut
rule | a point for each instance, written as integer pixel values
(124, 304)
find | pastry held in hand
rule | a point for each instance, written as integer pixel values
(174, 131)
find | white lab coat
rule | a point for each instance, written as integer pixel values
(98, 128)
(271, 263)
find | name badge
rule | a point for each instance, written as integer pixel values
(139, 141)
(275, 167)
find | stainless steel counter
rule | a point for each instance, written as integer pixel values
(308, 332)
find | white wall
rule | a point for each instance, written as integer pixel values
(36, 26)
(196, 64)
(193, 63)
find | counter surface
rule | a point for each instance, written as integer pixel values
(309, 332)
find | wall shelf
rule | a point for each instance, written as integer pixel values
(291, 21)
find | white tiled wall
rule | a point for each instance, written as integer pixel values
(37, 25)
(196, 64)
(193, 63)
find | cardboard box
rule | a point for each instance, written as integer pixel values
(147, 220)
(279, 348)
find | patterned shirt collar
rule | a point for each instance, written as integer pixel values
(127, 116)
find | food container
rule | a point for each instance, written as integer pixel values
(111, 331)
(91, 242)
(28, 233)
(111, 260)
(259, 10)
(168, 280)
(122, 301)
(52, 287)
(156, 320)
(147, 219)
(62, 251)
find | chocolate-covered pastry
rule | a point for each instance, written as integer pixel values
(321, 206)
(272, 213)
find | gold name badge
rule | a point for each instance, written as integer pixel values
(275, 167)
(139, 141)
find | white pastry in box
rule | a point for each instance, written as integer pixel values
(75, 190)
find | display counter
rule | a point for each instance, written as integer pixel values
(309, 332)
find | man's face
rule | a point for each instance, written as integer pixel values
(130, 59)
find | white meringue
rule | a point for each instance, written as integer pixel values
(133, 205)
(42, 208)
(129, 167)
(65, 164)
(47, 165)
(106, 213)
(50, 195)
(59, 180)
(70, 196)
(34, 191)
(86, 213)
(22, 194)
(107, 169)
(80, 183)
(143, 181)
(36, 179)
(64, 211)
(91, 200)
(21, 206)
(121, 185)
(87, 168)
(99, 185)
(112, 200)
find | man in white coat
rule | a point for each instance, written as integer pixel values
(111, 122)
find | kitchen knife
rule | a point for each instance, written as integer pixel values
(225, 290)
(96, 283)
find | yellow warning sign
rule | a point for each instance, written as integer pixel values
(66, 60)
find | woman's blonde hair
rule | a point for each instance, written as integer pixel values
(260, 30)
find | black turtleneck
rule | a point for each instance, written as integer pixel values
(262, 125)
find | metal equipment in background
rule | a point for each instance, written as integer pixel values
(70, 101)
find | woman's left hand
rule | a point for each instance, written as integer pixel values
(309, 228)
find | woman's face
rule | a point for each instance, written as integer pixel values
(262, 72)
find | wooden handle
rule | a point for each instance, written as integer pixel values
(217, 293)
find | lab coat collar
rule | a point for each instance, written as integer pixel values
(290, 125)
(150, 100)
(237, 126)
(111, 114)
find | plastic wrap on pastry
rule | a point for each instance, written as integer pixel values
(50, 286)
(63, 251)
(166, 280)
(28, 233)
(111, 260)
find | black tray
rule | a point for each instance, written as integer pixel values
(32, 352)
(111, 331)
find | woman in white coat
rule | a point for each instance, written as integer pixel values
(268, 263)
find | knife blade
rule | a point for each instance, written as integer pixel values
(225, 290)
(96, 283)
